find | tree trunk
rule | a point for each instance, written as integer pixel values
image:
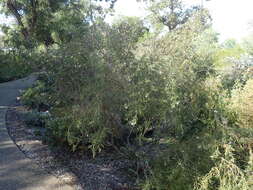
(14, 11)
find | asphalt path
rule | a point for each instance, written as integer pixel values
(16, 171)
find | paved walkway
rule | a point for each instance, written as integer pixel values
(16, 171)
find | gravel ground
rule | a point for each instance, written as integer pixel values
(81, 171)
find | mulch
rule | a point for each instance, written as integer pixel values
(105, 172)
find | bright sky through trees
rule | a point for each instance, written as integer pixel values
(231, 18)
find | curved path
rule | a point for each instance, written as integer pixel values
(16, 171)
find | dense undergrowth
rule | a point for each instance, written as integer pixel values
(159, 99)
(14, 65)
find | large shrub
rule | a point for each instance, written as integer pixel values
(218, 155)
(90, 89)
(194, 117)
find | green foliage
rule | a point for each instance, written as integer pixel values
(188, 154)
(239, 73)
(226, 175)
(13, 65)
(241, 101)
(174, 14)
(216, 157)
(228, 51)
(36, 119)
(88, 113)
(155, 97)
(45, 22)
(38, 97)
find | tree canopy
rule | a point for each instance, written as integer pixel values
(49, 21)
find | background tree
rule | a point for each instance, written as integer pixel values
(171, 13)
(39, 19)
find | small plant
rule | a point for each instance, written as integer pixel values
(226, 175)
(36, 119)
(38, 97)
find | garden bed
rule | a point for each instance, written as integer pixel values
(105, 172)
